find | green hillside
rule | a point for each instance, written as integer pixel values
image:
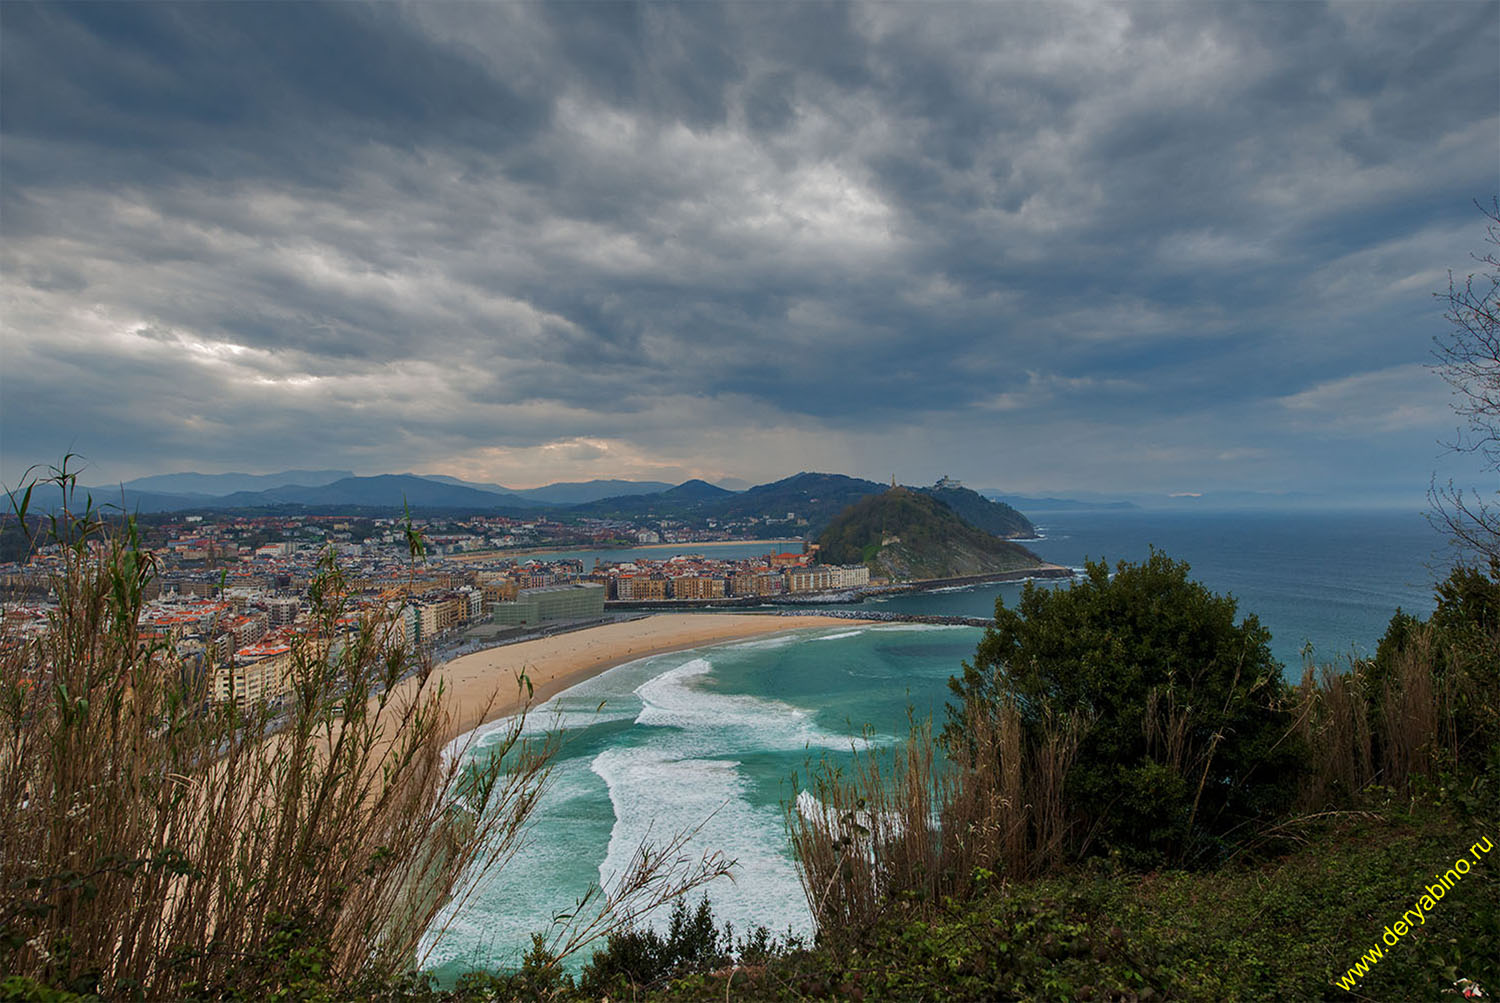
(978, 511)
(907, 535)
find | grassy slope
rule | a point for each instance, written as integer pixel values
(1283, 929)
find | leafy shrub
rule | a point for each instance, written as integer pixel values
(640, 957)
(1187, 736)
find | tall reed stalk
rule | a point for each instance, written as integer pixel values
(910, 826)
(156, 843)
(1390, 723)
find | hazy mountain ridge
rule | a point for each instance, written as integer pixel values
(219, 485)
(381, 491)
(809, 500)
(564, 492)
(187, 491)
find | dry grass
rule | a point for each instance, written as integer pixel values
(157, 843)
(911, 826)
(1391, 724)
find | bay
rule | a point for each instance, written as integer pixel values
(713, 737)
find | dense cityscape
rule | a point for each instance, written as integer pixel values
(230, 592)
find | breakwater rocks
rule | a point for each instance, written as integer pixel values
(884, 617)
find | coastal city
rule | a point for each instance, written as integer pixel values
(230, 593)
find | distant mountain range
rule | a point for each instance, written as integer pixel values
(218, 485)
(563, 492)
(325, 488)
(809, 501)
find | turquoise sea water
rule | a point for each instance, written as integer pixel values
(713, 736)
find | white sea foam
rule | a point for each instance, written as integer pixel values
(672, 700)
(675, 782)
(764, 643)
(657, 795)
(840, 635)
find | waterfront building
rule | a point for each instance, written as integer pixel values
(812, 578)
(577, 601)
(697, 587)
(654, 587)
(849, 576)
(756, 583)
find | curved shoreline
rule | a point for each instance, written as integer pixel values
(482, 687)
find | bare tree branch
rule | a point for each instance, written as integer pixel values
(1468, 358)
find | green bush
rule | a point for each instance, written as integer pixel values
(641, 957)
(1187, 737)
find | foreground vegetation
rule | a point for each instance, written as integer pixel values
(157, 843)
(1127, 802)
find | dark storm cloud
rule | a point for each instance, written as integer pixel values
(1171, 241)
(238, 90)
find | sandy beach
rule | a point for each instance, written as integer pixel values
(481, 687)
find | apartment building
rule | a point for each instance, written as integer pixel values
(698, 587)
(756, 583)
(439, 615)
(813, 578)
(257, 673)
(849, 576)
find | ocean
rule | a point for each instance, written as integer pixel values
(712, 738)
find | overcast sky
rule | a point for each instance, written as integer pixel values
(1042, 247)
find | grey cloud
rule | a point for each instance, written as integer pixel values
(239, 90)
(479, 227)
